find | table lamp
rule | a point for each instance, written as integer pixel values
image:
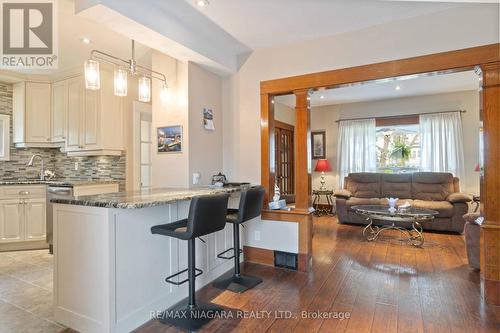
(323, 166)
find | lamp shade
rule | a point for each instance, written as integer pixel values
(323, 166)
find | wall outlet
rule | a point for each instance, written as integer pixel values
(76, 166)
(257, 235)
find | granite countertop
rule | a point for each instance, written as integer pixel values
(56, 182)
(142, 199)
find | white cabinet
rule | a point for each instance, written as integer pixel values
(11, 217)
(76, 104)
(34, 219)
(22, 214)
(94, 119)
(32, 114)
(59, 111)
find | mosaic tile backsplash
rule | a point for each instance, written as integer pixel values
(90, 167)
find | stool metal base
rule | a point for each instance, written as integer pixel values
(181, 316)
(237, 284)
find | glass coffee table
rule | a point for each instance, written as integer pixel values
(415, 216)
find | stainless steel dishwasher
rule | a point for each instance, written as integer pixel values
(53, 192)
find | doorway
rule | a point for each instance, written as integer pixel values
(143, 145)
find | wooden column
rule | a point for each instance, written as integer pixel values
(302, 150)
(267, 145)
(490, 230)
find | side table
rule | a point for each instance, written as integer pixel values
(328, 194)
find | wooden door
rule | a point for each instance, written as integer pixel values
(284, 147)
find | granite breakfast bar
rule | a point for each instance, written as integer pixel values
(109, 270)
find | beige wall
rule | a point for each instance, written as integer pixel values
(170, 169)
(452, 29)
(205, 151)
(325, 117)
(284, 113)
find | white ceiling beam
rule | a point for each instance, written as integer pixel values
(459, 1)
(173, 27)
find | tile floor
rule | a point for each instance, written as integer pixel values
(26, 292)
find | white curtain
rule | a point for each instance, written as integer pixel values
(357, 150)
(441, 143)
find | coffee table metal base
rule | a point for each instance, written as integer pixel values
(415, 234)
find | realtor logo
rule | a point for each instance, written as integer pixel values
(29, 38)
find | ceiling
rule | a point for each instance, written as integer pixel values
(265, 23)
(387, 89)
(73, 53)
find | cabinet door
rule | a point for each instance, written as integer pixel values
(91, 119)
(38, 112)
(11, 217)
(76, 100)
(34, 219)
(59, 110)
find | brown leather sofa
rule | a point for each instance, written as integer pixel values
(433, 190)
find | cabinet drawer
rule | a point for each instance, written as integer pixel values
(22, 191)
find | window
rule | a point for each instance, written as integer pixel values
(398, 148)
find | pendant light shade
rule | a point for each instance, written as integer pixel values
(120, 80)
(164, 94)
(145, 89)
(92, 78)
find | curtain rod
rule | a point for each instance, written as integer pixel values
(400, 116)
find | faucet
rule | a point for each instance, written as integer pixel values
(42, 167)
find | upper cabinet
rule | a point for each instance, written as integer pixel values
(32, 114)
(94, 118)
(59, 111)
(65, 114)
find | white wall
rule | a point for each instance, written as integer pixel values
(325, 117)
(205, 150)
(452, 29)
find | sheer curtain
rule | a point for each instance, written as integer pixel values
(441, 143)
(357, 151)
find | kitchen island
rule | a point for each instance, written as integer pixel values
(109, 270)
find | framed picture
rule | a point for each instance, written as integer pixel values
(169, 139)
(208, 119)
(318, 150)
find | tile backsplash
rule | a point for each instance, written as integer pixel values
(89, 167)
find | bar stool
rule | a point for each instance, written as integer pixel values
(207, 214)
(250, 207)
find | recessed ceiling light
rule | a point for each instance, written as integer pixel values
(86, 40)
(202, 3)
(322, 97)
(397, 88)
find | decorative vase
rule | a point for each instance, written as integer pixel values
(392, 202)
(277, 193)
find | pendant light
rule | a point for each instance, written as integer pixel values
(120, 82)
(123, 68)
(144, 89)
(92, 78)
(164, 93)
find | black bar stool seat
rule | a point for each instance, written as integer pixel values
(250, 206)
(207, 214)
(176, 229)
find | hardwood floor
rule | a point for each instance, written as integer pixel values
(383, 286)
